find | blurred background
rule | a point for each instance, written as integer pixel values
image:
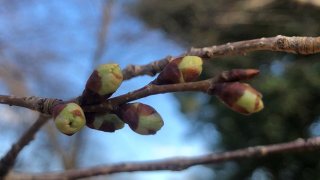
(49, 48)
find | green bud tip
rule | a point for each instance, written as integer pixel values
(69, 118)
(190, 67)
(105, 79)
(240, 97)
(141, 118)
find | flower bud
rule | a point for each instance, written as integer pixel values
(69, 118)
(141, 118)
(181, 70)
(240, 97)
(237, 75)
(105, 79)
(105, 122)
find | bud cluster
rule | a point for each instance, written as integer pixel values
(143, 119)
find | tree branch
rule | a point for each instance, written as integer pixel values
(296, 45)
(7, 161)
(299, 45)
(44, 105)
(181, 163)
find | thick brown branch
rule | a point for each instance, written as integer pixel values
(8, 160)
(181, 163)
(298, 45)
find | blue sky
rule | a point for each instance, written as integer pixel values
(67, 29)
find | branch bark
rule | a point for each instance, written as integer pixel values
(42, 105)
(181, 163)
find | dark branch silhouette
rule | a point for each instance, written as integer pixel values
(180, 163)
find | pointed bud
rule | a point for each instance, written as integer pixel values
(69, 118)
(105, 122)
(105, 80)
(240, 97)
(141, 118)
(181, 70)
(237, 75)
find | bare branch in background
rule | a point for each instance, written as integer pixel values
(7, 162)
(13, 78)
(181, 163)
(103, 32)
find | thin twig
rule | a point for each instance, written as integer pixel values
(7, 161)
(151, 89)
(296, 45)
(181, 163)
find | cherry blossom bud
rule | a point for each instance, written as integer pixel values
(69, 118)
(179, 70)
(104, 81)
(141, 118)
(240, 97)
(106, 122)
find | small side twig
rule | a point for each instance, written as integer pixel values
(8, 160)
(151, 89)
(181, 163)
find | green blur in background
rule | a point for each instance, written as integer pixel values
(290, 83)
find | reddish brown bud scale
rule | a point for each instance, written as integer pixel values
(190, 75)
(57, 109)
(170, 74)
(106, 122)
(94, 82)
(237, 75)
(141, 118)
(240, 97)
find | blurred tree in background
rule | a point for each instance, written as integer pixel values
(290, 83)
